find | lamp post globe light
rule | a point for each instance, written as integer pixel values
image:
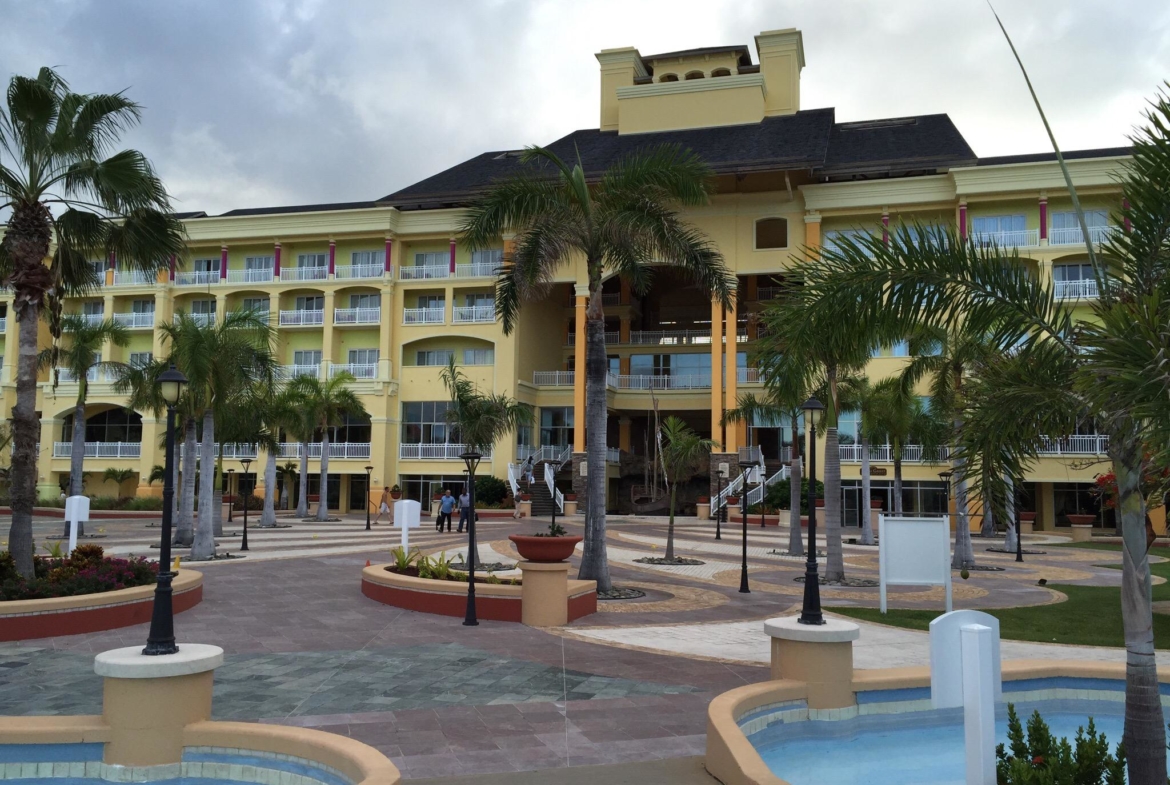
(244, 542)
(472, 459)
(369, 489)
(230, 473)
(810, 612)
(161, 639)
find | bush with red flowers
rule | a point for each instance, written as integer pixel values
(86, 571)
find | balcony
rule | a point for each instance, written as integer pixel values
(748, 376)
(1019, 238)
(350, 272)
(473, 314)
(203, 319)
(1075, 290)
(65, 376)
(135, 321)
(669, 337)
(133, 278)
(611, 339)
(3, 324)
(425, 272)
(100, 449)
(356, 370)
(1074, 236)
(434, 452)
(357, 451)
(288, 372)
(647, 382)
(1081, 444)
(613, 455)
(302, 318)
(201, 278)
(423, 315)
(553, 378)
(91, 319)
(357, 315)
(258, 275)
(304, 273)
(476, 270)
(231, 451)
(611, 298)
(884, 453)
(769, 293)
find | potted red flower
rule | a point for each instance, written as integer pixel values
(570, 497)
(396, 493)
(820, 504)
(704, 500)
(733, 500)
(546, 548)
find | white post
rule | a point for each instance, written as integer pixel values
(76, 512)
(978, 704)
(407, 516)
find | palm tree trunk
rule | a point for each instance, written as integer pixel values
(866, 490)
(26, 429)
(1012, 528)
(964, 556)
(268, 515)
(897, 450)
(1144, 735)
(303, 495)
(323, 503)
(594, 562)
(987, 527)
(835, 558)
(77, 454)
(795, 537)
(204, 547)
(670, 525)
(217, 495)
(185, 530)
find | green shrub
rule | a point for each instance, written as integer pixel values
(86, 571)
(254, 503)
(489, 490)
(143, 503)
(403, 560)
(777, 496)
(1040, 759)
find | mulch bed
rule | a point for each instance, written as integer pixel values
(1012, 552)
(677, 561)
(621, 593)
(491, 566)
(850, 583)
(412, 571)
(981, 568)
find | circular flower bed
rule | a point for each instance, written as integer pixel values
(86, 571)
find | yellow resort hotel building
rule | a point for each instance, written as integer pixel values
(383, 289)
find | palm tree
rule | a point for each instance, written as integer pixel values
(902, 418)
(78, 359)
(328, 403)
(119, 476)
(158, 473)
(56, 154)
(622, 221)
(276, 410)
(481, 419)
(286, 474)
(679, 450)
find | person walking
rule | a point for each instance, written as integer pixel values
(464, 509)
(383, 506)
(446, 507)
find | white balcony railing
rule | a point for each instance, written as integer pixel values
(424, 272)
(66, 376)
(351, 271)
(304, 273)
(100, 449)
(476, 270)
(3, 324)
(1083, 444)
(646, 382)
(293, 371)
(1074, 235)
(473, 313)
(231, 451)
(203, 319)
(750, 455)
(91, 319)
(1019, 238)
(884, 453)
(669, 337)
(434, 452)
(768, 292)
(133, 278)
(357, 315)
(135, 321)
(356, 370)
(611, 339)
(423, 315)
(553, 378)
(342, 450)
(748, 376)
(201, 278)
(301, 318)
(613, 455)
(1075, 290)
(256, 275)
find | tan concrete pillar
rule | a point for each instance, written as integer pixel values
(812, 230)
(152, 429)
(327, 336)
(716, 373)
(624, 330)
(544, 594)
(108, 313)
(386, 335)
(220, 307)
(624, 434)
(582, 293)
(731, 394)
(148, 701)
(819, 655)
(47, 487)
(627, 293)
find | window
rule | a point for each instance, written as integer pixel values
(142, 306)
(425, 422)
(93, 308)
(493, 257)
(258, 263)
(614, 364)
(365, 301)
(203, 306)
(205, 265)
(368, 258)
(668, 78)
(936, 234)
(556, 426)
(994, 224)
(98, 268)
(434, 357)
(432, 259)
(1069, 220)
(313, 260)
(671, 365)
(353, 430)
(141, 359)
(694, 75)
(1073, 272)
(363, 356)
(849, 428)
(480, 301)
(307, 357)
(310, 302)
(479, 356)
(721, 72)
(256, 304)
(858, 236)
(900, 349)
(771, 233)
(112, 425)
(432, 302)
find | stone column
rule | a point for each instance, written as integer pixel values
(731, 432)
(152, 429)
(276, 261)
(544, 594)
(108, 313)
(386, 334)
(332, 258)
(963, 220)
(1044, 218)
(47, 487)
(327, 336)
(451, 258)
(819, 655)
(717, 372)
(812, 230)
(223, 262)
(718, 458)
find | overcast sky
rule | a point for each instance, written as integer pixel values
(255, 103)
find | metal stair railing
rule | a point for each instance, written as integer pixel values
(756, 495)
(557, 496)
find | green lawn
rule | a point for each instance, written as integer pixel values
(1091, 617)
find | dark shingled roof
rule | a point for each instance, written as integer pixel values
(190, 215)
(745, 57)
(897, 144)
(301, 208)
(1069, 155)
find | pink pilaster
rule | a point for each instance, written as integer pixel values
(332, 257)
(276, 261)
(389, 264)
(963, 220)
(1043, 219)
(223, 263)
(452, 268)
(885, 228)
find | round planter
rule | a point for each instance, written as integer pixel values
(874, 504)
(1027, 522)
(395, 495)
(544, 549)
(1082, 520)
(1082, 532)
(703, 510)
(820, 504)
(732, 500)
(570, 506)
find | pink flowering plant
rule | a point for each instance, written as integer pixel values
(86, 571)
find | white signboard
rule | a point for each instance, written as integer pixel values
(76, 512)
(946, 656)
(407, 516)
(914, 552)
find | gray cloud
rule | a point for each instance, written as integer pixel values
(262, 102)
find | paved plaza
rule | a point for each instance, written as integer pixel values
(628, 684)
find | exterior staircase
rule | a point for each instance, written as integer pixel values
(542, 501)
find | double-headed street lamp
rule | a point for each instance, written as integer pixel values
(810, 612)
(472, 459)
(244, 542)
(161, 639)
(368, 490)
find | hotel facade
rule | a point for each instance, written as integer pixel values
(383, 290)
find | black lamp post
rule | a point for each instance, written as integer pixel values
(472, 459)
(743, 581)
(231, 474)
(368, 489)
(161, 639)
(244, 542)
(719, 512)
(946, 478)
(1019, 531)
(810, 612)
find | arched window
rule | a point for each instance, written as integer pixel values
(111, 425)
(771, 233)
(695, 75)
(668, 78)
(721, 72)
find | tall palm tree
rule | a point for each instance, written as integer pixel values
(81, 356)
(900, 418)
(118, 476)
(287, 475)
(679, 449)
(622, 220)
(272, 411)
(481, 419)
(328, 403)
(71, 195)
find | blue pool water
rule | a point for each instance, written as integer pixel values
(905, 749)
